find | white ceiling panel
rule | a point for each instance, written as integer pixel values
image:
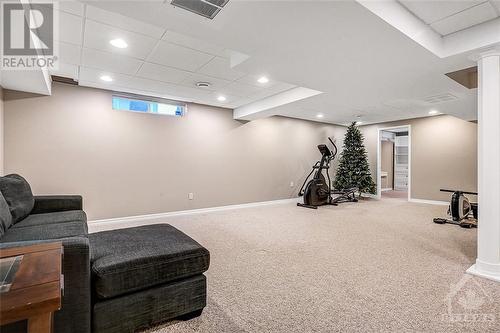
(241, 89)
(146, 84)
(179, 57)
(110, 62)
(220, 68)
(275, 89)
(496, 3)
(215, 84)
(124, 22)
(93, 75)
(193, 43)
(162, 73)
(253, 80)
(69, 53)
(70, 28)
(72, 7)
(468, 18)
(432, 11)
(98, 35)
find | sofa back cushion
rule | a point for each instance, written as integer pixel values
(5, 216)
(17, 193)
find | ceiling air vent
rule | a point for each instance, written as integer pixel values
(441, 98)
(62, 79)
(205, 8)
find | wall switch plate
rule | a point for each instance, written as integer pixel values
(292, 184)
(190, 196)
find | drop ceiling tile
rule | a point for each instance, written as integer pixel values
(93, 75)
(253, 80)
(215, 84)
(98, 35)
(124, 22)
(465, 19)
(70, 28)
(241, 89)
(220, 68)
(496, 3)
(180, 57)
(66, 70)
(432, 11)
(193, 43)
(110, 62)
(148, 85)
(162, 73)
(275, 89)
(211, 99)
(72, 7)
(69, 53)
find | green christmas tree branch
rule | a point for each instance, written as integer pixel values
(354, 170)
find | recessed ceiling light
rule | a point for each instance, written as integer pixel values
(119, 43)
(433, 112)
(221, 98)
(263, 80)
(106, 78)
(319, 115)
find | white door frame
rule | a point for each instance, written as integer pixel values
(379, 163)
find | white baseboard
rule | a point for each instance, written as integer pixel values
(159, 217)
(430, 202)
(387, 189)
(487, 275)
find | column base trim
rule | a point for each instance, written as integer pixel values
(484, 274)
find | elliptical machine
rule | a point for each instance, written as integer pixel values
(460, 210)
(318, 190)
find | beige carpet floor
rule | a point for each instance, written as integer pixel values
(374, 266)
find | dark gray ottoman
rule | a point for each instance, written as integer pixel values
(145, 275)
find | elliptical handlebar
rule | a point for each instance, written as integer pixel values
(335, 150)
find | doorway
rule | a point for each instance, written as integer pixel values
(393, 163)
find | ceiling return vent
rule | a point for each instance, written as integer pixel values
(205, 8)
(441, 98)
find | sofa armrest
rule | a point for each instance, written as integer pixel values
(57, 203)
(74, 316)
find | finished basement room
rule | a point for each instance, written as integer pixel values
(214, 166)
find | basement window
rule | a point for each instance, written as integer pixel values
(150, 105)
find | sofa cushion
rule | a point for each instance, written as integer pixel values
(51, 218)
(17, 193)
(127, 260)
(46, 231)
(5, 216)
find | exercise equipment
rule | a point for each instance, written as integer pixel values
(318, 190)
(460, 210)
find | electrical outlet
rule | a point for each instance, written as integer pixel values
(190, 196)
(292, 184)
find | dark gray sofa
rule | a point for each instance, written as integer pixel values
(114, 281)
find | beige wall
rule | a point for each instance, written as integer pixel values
(387, 162)
(443, 154)
(126, 163)
(1, 132)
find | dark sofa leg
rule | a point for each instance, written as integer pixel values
(191, 315)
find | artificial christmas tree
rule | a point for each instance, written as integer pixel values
(354, 170)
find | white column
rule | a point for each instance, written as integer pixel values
(488, 238)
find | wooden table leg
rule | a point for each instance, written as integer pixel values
(40, 324)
